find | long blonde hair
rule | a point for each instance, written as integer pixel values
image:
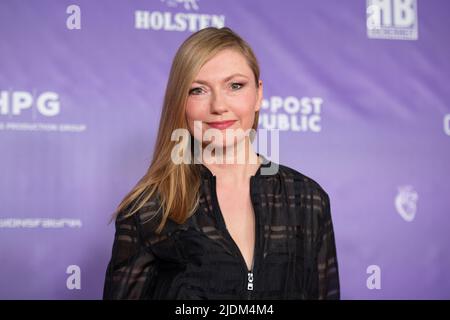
(177, 185)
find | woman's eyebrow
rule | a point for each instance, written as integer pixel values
(224, 80)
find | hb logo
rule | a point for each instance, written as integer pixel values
(392, 19)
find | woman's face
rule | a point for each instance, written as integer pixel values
(223, 90)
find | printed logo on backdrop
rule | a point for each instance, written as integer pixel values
(291, 114)
(184, 16)
(188, 4)
(374, 279)
(392, 19)
(32, 223)
(406, 202)
(73, 21)
(447, 124)
(73, 281)
(32, 111)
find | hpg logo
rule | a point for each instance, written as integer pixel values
(392, 19)
(15, 102)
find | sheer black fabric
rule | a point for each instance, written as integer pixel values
(294, 257)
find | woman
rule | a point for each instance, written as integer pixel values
(234, 229)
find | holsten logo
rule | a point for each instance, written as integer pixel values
(178, 21)
(392, 19)
(406, 203)
(14, 103)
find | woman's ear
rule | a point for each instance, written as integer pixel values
(259, 95)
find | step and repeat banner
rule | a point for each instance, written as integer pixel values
(359, 91)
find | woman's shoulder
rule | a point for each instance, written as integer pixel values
(313, 198)
(302, 185)
(299, 179)
(146, 218)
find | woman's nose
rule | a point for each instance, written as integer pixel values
(218, 103)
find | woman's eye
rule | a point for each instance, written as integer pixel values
(195, 91)
(198, 90)
(236, 85)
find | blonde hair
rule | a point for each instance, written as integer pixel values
(177, 185)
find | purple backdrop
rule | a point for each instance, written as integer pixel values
(359, 90)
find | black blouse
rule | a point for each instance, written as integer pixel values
(294, 255)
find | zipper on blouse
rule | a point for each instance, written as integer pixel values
(250, 281)
(250, 273)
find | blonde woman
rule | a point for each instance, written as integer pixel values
(220, 230)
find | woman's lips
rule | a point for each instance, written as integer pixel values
(221, 124)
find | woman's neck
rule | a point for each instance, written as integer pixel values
(235, 167)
